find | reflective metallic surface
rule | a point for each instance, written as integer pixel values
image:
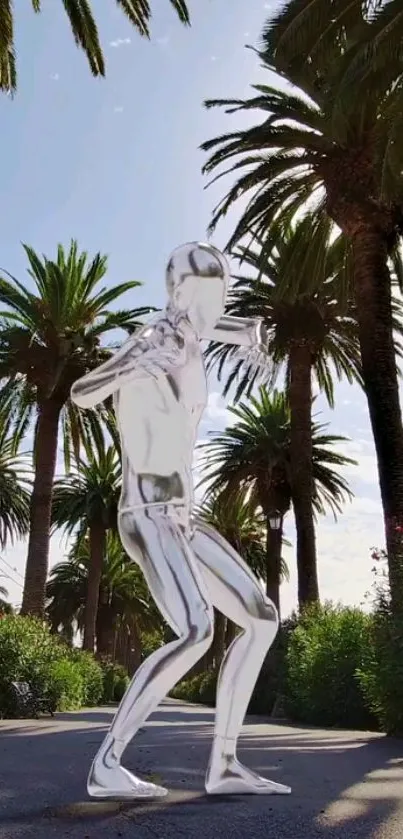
(160, 391)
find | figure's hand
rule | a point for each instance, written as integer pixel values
(257, 357)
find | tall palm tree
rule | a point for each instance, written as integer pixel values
(124, 599)
(87, 499)
(15, 485)
(84, 30)
(298, 153)
(302, 293)
(254, 455)
(49, 337)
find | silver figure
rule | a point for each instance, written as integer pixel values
(160, 391)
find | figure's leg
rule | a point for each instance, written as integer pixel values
(236, 593)
(160, 548)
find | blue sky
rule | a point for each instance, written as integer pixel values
(116, 164)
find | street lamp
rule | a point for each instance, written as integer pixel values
(275, 519)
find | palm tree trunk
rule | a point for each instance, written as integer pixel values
(36, 571)
(374, 313)
(300, 396)
(218, 645)
(97, 550)
(106, 630)
(230, 633)
(274, 541)
(136, 649)
(122, 644)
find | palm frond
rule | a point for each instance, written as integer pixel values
(253, 456)
(300, 283)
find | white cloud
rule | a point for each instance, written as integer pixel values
(216, 412)
(118, 109)
(55, 77)
(163, 40)
(344, 554)
(363, 452)
(120, 42)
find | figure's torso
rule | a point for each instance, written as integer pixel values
(158, 423)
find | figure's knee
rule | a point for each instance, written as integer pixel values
(265, 615)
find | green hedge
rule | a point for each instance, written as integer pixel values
(327, 654)
(30, 653)
(92, 676)
(152, 641)
(381, 676)
(65, 685)
(115, 681)
(200, 689)
(325, 671)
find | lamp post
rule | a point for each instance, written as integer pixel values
(274, 543)
(275, 520)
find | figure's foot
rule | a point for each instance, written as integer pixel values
(114, 781)
(236, 779)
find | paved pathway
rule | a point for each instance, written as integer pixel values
(345, 785)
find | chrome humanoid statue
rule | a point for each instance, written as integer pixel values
(159, 384)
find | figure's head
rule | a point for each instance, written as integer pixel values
(197, 280)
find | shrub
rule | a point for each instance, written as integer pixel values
(201, 688)
(30, 653)
(326, 653)
(151, 641)
(381, 676)
(27, 651)
(115, 681)
(92, 676)
(65, 685)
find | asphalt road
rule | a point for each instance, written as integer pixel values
(346, 785)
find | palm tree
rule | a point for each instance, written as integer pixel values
(84, 30)
(66, 592)
(14, 486)
(370, 33)
(298, 153)
(255, 455)
(88, 499)
(124, 600)
(49, 337)
(302, 294)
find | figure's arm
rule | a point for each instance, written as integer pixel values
(100, 383)
(243, 332)
(151, 353)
